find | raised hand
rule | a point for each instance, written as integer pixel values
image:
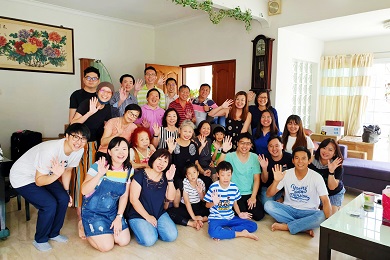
(122, 94)
(202, 139)
(278, 172)
(199, 187)
(145, 123)
(161, 81)
(263, 161)
(332, 166)
(57, 167)
(156, 129)
(171, 172)
(216, 145)
(227, 144)
(102, 167)
(138, 85)
(171, 143)
(93, 105)
(245, 215)
(214, 196)
(251, 95)
(227, 103)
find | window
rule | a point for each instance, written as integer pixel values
(302, 90)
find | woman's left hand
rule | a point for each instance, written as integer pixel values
(171, 172)
(117, 225)
(332, 166)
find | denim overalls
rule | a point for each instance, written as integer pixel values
(100, 209)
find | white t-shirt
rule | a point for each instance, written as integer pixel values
(193, 194)
(291, 141)
(303, 194)
(39, 159)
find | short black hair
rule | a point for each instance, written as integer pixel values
(302, 149)
(164, 119)
(150, 68)
(134, 107)
(218, 129)
(189, 165)
(244, 135)
(272, 137)
(151, 90)
(91, 69)
(78, 128)
(184, 86)
(224, 166)
(205, 85)
(160, 153)
(171, 79)
(126, 76)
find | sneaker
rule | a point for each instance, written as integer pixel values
(60, 238)
(42, 246)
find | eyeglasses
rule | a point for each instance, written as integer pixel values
(105, 91)
(150, 74)
(79, 138)
(245, 143)
(91, 78)
(133, 115)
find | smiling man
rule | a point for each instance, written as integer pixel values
(202, 104)
(35, 176)
(150, 74)
(304, 189)
(123, 96)
(183, 106)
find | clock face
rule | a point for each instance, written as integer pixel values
(260, 47)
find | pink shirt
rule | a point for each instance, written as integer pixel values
(114, 124)
(152, 115)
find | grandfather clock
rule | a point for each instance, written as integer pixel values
(261, 63)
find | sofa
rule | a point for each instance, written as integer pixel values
(363, 174)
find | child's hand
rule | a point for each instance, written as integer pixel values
(263, 161)
(102, 167)
(245, 215)
(333, 165)
(278, 174)
(57, 167)
(199, 187)
(227, 144)
(216, 199)
(216, 145)
(171, 172)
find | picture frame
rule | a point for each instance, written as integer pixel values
(36, 47)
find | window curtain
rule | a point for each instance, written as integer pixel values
(104, 74)
(344, 90)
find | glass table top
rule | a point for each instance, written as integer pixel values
(353, 220)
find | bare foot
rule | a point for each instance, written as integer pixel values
(245, 233)
(81, 230)
(216, 239)
(310, 232)
(279, 226)
(194, 224)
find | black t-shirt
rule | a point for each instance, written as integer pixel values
(182, 155)
(95, 123)
(79, 96)
(286, 163)
(338, 174)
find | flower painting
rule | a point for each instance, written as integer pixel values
(35, 47)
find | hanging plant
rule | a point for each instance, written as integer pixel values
(217, 16)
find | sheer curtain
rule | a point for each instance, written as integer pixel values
(344, 86)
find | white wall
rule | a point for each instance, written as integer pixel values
(40, 101)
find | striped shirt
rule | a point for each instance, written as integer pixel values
(165, 135)
(117, 176)
(199, 110)
(224, 209)
(193, 194)
(141, 96)
(188, 109)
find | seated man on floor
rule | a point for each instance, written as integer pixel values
(304, 188)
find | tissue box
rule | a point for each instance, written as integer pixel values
(333, 130)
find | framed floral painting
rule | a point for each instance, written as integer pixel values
(32, 46)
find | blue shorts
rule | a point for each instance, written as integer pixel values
(337, 199)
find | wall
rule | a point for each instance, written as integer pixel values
(40, 101)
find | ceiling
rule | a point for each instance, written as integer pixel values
(159, 12)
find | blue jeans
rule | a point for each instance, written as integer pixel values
(147, 235)
(264, 198)
(226, 228)
(297, 220)
(52, 202)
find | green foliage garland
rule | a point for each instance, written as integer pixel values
(217, 16)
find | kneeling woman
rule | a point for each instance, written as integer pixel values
(149, 188)
(105, 184)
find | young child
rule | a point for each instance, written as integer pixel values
(221, 198)
(216, 146)
(142, 149)
(192, 210)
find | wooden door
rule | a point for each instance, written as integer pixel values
(84, 63)
(168, 71)
(224, 81)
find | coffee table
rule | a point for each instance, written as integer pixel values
(361, 236)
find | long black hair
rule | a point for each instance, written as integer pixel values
(273, 128)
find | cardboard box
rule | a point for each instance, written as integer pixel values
(332, 130)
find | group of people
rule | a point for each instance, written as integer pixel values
(144, 160)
